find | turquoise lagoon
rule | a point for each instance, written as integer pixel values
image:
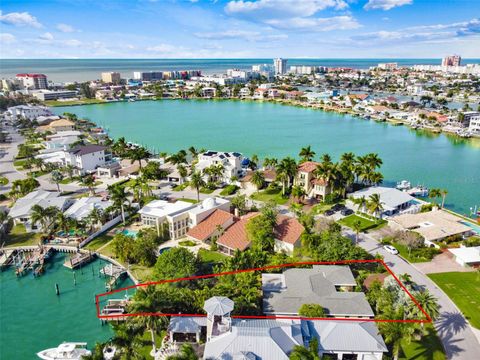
(33, 317)
(273, 130)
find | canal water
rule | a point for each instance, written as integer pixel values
(272, 130)
(33, 317)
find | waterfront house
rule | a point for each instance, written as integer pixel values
(231, 163)
(22, 209)
(393, 201)
(62, 125)
(314, 187)
(229, 338)
(467, 256)
(331, 286)
(211, 227)
(180, 216)
(87, 158)
(433, 226)
(269, 175)
(287, 233)
(29, 112)
(83, 207)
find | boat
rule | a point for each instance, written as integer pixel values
(418, 190)
(66, 351)
(404, 185)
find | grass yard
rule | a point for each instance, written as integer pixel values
(464, 290)
(208, 256)
(141, 273)
(428, 348)
(3, 181)
(73, 102)
(98, 242)
(193, 201)
(320, 208)
(270, 195)
(188, 243)
(364, 223)
(19, 237)
(229, 190)
(181, 187)
(206, 190)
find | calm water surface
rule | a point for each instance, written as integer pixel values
(33, 317)
(274, 130)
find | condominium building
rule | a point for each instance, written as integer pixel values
(452, 60)
(472, 120)
(306, 70)
(33, 81)
(388, 66)
(148, 75)
(280, 66)
(111, 77)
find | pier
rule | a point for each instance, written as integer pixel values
(79, 259)
(25, 261)
(114, 273)
(114, 310)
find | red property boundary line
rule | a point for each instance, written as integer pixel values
(339, 262)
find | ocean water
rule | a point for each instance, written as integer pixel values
(63, 70)
(34, 318)
(273, 130)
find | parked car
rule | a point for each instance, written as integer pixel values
(338, 207)
(163, 197)
(390, 249)
(346, 212)
(329, 212)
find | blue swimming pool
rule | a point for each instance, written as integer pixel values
(473, 226)
(131, 233)
(161, 251)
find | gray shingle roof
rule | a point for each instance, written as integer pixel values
(86, 149)
(286, 293)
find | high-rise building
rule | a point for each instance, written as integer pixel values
(452, 60)
(33, 81)
(111, 77)
(280, 66)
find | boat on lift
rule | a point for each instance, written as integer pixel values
(66, 351)
(404, 185)
(419, 190)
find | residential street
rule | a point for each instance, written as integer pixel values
(460, 340)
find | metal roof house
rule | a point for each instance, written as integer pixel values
(330, 286)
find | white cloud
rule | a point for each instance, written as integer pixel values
(20, 19)
(163, 48)
(6, 38)
(261, 9)
(72, 43)
(316, 24)
(65, 28)
(46, 36)
(385, 4)
(240, 34)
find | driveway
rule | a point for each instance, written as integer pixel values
(459, 339)
(442, 263)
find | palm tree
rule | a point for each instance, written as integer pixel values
(361, 202)
(296, 208)
(138, 154)
(258, 179)
(96, 217)
(57, 177)
(270, 163)
(193, 151)
(428, 302)
(357, 227)
(298, 192)
(127, 338)
(89, 182)
(44, 216)
(119, 197)
(434, 194)
(302, 353)
(444, 193)
(286, 171)
(306, 154)
(374, 161)
(394, 332)
(63, 222)
(120, 147)
(326, 159)
(186, 353)
(374, 205)
(197, 182)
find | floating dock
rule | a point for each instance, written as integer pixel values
(79, 259)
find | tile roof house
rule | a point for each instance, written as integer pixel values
(287, 233)
(331, 286)
(209, 227)
(313, 186)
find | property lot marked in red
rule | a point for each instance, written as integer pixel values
(339, 262)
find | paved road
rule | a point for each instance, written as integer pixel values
(457, 335)
(7, 153)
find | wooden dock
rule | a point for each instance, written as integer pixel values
(79, 259)
(35, 259)
(6, 258)
(114, 310)
(114, 273)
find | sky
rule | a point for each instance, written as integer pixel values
(239, 28)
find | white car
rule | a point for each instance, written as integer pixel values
(391, 249)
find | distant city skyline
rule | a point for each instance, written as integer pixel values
(239, 29)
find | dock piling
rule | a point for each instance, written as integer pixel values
(57, 290)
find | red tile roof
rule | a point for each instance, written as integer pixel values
(308, 166)
(208, 226)
(319, 181)
(288, 229)
(235, 237)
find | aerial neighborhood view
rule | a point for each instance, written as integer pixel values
(239, 179)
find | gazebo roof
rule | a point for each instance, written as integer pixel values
(218, 305)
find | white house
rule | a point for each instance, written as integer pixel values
(29, 112)
(88, 158)
(467, 256)
(180, 215)
(21, 211)
(82, 207)
(231, 162)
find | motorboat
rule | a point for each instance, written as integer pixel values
(419, 190)
(404, 185)
(66, 351)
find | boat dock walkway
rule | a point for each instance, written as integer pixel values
(6, 257)
(24, 261)
(79, 259)
(114, 310)
(114, 273)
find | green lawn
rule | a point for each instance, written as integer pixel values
(98, 242)
(73, 102)
(423, 254)
(428, 348)
(66, 181)
(193, 201)
(205, 190)
(181, 187)
(270, 195)
(3, 181)
(187, 243)
(321, 208)
(19, 237)
(208, 256)
(464, 290)
(365, 223)
(229, 190)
